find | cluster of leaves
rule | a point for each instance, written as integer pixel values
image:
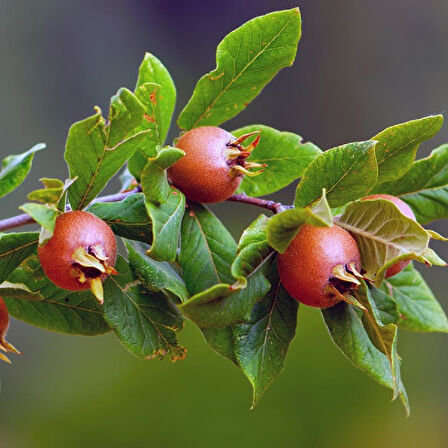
(181, 260)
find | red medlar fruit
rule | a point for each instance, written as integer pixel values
(320, 265)
(4, 325)
(407, 211)
(213, 165)
(80, 254)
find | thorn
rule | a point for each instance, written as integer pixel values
(243, 137)
(96, 286)
(253, 145)
(242, 171)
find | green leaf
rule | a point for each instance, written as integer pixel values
(417, 307)
(385, 307)
(425, 186)
(435, 235)
(284, 227)
(127, 218)
(45, 215)
(57, 310)
(18, 291)
(145, 322)
(14, 248)
(51, 194)
(125, 114)
(166, 224)
(221, 341)
(397, 147)
(207, 250)
(221, 305)
(261, 345)
(156, 91)
(382, 335)
(154, 179)
(430, 258)
(347, 331)
(246, 60)
(383, 235)
(92, 161)
(76, 314)
(155, 275)
(253, 250)
(153, 71)
(148, 94)
(285, 154)
(15, 169)
(347, 172)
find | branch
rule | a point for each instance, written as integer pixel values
(24, 219)
(275, 207)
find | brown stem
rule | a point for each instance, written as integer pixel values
(24, 219)
(275, 207)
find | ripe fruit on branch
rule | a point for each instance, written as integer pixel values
(320, 266)
(80, 254)
(4, 325)
(213, 165)
(407, 211)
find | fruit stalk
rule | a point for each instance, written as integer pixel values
(275, 207)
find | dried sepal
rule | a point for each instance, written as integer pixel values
(90, 266)
(5, 346)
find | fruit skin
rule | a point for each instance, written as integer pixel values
(407, 211)
(204, 174)
(74, 230)
(307, 265)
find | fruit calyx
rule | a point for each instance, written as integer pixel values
(89, 266)
(237, 154)
(345, 280)
(5, 346)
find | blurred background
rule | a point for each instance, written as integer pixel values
(361, 66)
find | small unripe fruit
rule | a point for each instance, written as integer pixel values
(213, 165)
(4, 325)
(307, 268)
(407, 211)
(80, 254)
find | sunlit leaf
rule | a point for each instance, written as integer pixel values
(246, 60)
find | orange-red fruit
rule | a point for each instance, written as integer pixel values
(407, 211)
(306, 267)
(74, 230)
(203, 174)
